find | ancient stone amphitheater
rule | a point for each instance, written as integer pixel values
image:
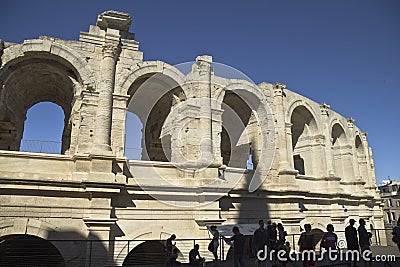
(215, 151)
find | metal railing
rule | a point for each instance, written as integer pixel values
(131, 252)
(40, 146)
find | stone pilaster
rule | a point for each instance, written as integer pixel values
(330, 170)
(100, 246)
(283, 129)
(287, 172)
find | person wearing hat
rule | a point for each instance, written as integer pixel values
(351, 238)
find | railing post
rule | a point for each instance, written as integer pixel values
(294, 245)
(129, 242)
(90, 253)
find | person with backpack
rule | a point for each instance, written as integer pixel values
(307, 246)
(329, 239)
(213, 246)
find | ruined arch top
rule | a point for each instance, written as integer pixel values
(146, 69)
(47, 49)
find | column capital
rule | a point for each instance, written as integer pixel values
(111, 49)
(350, 122)
(324, 107)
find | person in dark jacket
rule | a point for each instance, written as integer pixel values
(260, 240)
(307, 243)
(364, 239)
(352, 240)
(239, 241)
(169, 249)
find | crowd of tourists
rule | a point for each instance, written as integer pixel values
(270, 247)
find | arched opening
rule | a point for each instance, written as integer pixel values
(152, 98)
(147, 253)
(133, 136)
(31, 81)
(339, 141)
(239, 132)
(303, 128)
(27, 250)
(43, 129)
(361, 158)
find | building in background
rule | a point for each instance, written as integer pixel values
(201, 132)
(390, 195)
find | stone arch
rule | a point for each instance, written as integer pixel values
(301, 103)
(341, 151)
(37, 48)
(154, 88)
(361, 157)
(343, 124)
(40, 71)
(262, 131)
(304, 130)
(144, 70)
(40, 229)
(134, 239)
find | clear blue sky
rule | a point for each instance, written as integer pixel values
(345, 53)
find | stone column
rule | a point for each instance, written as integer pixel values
(330, 170)
(284, 130)
(111, 51)
(287, 172)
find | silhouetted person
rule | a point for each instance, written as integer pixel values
(215, 241)
(281, 243)
(352, 239)
(272, 239)
(269, 224)
(194, 256)
(169, 248)
(174, 257)
(307, 243)
(364, 239)
(239, 241)
(329, 238)
(260, 240)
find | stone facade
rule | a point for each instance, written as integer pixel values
(311, 165)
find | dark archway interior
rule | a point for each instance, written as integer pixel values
(28, 250)
(302, 120)
(299, 164)
(337, 134)
(147, 253)
(303, 128)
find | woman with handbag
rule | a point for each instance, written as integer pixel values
(329, 239)
(213, 246)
